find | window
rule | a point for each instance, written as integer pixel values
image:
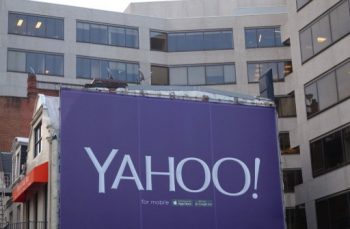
(191, 40)
(211, 74)
(302, 3)
(263, 37)
(325, 30)
(296, 217)
(7, 179)
(291, 178)
(39, 63)
(160, 75)
(37, 139)
(285, 106)
(330, 152)
(284, 141)
(92, 68)
(38, 26)
(280, 69)
(328, 89)
(120, 36)
(159, 41)
(333, 211)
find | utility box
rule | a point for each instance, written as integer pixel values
(155, 159)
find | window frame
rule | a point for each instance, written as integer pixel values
(36, 15)
(37, 141)
(108, 25)
(315, 80)
(313, 22)
(37, 53)
(274, 27)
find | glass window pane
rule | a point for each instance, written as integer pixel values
(226, 41)
(158, 41)
(194, 41)
(177, 42)
(321, 34)
(266, 37)
(346, 142)
(132, 73)
(54, 28)
(118, 70)
(98, 34)
(229, 73)
(284, 69)
(323, 216)
(132, 38)
(317, 159)
(306, 44)
(343, 80)
(159, 75)
(211, 39)
(36, 26)
(291, 178)
(95, 69)
(83, 32)
(253, 72)
(83, 68)
(178, 76)
(54, 65)
(104, 69)
(196, 75)
(333, 153)
(215, 74)
(116, 36)
(251, 38)
(17, 23)
(327, 91)
(340, 21)
(36, 62)
(16, 61)
(286, 106)
(278, 40)
(311, 99)
(265, 67)
(339, 211)
(284, 141)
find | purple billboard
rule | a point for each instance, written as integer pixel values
(135, 162)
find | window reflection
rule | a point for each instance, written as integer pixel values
(280, 69)
(263, 37)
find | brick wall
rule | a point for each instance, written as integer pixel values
(16, 114)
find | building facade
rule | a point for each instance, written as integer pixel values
(222, 44)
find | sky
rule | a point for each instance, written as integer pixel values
(111, 5)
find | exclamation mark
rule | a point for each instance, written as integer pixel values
(256, 177)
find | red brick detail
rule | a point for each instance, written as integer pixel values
(16, 114)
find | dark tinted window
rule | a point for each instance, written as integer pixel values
(330, 151)
(285, 106)
(159, 41)
(284, 141)
(38, 26)
(296, 217)
(291, 178)
(333, 212)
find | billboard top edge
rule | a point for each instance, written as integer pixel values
(213, 96)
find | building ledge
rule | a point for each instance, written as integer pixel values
(39, 175)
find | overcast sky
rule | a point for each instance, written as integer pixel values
(112, 5)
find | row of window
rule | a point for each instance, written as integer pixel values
(107, 34)
(38, 26)
(328, 89)
(191, 41)
(34, 62)
(122, 36)
(193, 75)
(330, 152)
(91, 68)
(325, 30)
(280, 69)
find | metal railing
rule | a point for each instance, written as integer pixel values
(25, 225)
